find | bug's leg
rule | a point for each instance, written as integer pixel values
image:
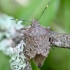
(52, 47)
(24, 28)
(51, 40)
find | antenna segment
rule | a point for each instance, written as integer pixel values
(20, 20)
(44, 10)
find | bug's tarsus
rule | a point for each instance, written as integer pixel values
(44, 10)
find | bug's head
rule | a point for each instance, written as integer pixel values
(35, 23)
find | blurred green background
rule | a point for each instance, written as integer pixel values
(57, 16)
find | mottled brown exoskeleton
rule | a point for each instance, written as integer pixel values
(38, 42)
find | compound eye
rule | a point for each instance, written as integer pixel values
(35, 23)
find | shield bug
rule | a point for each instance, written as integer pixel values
(37, 40)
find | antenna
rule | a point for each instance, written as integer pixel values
(44, 10)
(20, 20)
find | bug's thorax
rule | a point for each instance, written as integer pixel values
(36, 29)
(37, 39)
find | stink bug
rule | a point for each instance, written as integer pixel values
(37, 40)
